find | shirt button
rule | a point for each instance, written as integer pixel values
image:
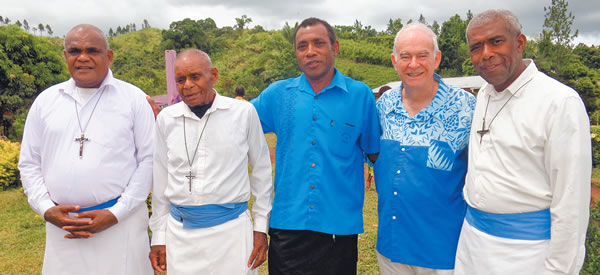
(395, 193)
(393, 217)
(312, 187)
(311, 207)
(313, 165)
(403, 149)
(398, 172)
(313, 143)
(314, 118)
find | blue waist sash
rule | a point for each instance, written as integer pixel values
(204, 216)
(103, 205)
(519, 226)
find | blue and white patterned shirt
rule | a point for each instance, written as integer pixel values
(419, 177)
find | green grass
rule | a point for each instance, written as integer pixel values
(22, 235)
(372, 75)
(596, 176)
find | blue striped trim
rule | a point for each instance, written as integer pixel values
(519, 226)
(103, 205)
(204, 216)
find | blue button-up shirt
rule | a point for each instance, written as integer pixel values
(419, 177)
(321, 138)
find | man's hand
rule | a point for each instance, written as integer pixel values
(259, 252)
(155, 107)
(158, 258)
(98, 220)
(59, 216)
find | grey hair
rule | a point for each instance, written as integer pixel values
(87, 26)
(420, 26)
(485, 17)
(195, 52)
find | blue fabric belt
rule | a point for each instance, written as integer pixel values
(204, 216)
(519, 226)
(103, 205)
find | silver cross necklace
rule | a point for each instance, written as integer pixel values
(82, 138)
(190, 176)
(483, 130)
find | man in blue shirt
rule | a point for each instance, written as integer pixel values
(421, 169)
(325, 122)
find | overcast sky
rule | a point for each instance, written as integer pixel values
(61, 15)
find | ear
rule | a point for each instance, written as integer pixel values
(110, 56)
(521, 42)
(214, 75)
(438, 59)
(65, 54)
(336, 48)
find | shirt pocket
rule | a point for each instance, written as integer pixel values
(343, 137)
(440, 156)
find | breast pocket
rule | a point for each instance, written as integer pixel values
(343, 137)
(440, 156)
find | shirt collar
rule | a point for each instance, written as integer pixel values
(69, 87)
(441, 96)
(219, 103)
(303, 85)
(526, 76)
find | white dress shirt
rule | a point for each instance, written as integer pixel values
(536, 155)
(116, 161)
(232, 138)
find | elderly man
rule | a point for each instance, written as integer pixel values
(528, 181)
(324, 122)
(200, 221)
(421, 169)
(86, 164)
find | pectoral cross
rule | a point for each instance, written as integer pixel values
(483, 131)
(190, 177)
(81, 140)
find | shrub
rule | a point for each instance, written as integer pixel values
(595, 135)
(592, 243)
(9, 157)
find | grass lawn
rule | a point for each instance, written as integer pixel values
(596, 176)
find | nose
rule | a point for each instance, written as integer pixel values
(486, 52)
(310, 50)
(413, 62)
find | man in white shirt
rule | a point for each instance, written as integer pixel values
(200, 220)
(86, 162)
(528, 179)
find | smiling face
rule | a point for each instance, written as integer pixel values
(195, 77)
(416, 60)
(87, 55)
(496, 52)
(314, 52)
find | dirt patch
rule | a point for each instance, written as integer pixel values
(595, 193)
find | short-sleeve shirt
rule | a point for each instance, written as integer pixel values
(420, 174)
(321, 142)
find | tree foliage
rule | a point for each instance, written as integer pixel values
(28, 65)
(189, 33)
(453, 44)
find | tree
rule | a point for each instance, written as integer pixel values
(29, 64)
(394, 26)
(453, 44)
(6, 21)
(435, 27)
(34, 30)
(49, 30)
(18, 24)
(145, 25)
(41, 28)
(241, 23)
(590, 56)
(26, 25)
(188, 33)
(119, 30)
(288, 32)
(422, 19)
(1, 20)
(111, 33)
(557, 36)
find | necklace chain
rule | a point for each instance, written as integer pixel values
(82, 129)
(190, 162)
(493, 118)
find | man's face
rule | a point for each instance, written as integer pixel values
(314, 51)
(416, 63)
(87, 57)
(195, 79)
(497, 53)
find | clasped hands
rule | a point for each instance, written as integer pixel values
(80, 225)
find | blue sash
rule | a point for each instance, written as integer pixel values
(204, 216)
(103, 205)
(519, 226)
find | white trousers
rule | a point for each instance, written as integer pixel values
(121, 249)
(387, 267)
(483, 254)
(223, 249)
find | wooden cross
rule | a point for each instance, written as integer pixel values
(190, 177)
(483, 131)
(81, 140)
